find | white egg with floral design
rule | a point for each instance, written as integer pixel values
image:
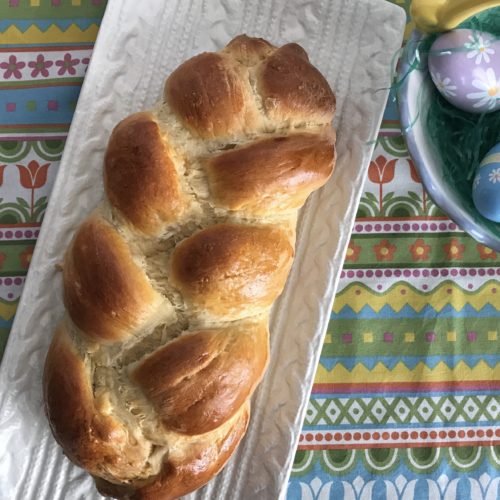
(486, 186)
(465, 67)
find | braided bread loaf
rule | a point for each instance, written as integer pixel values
(168, 285)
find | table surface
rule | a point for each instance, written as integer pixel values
(406, 400)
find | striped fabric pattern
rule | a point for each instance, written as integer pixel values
(406, 401)
(45, 48)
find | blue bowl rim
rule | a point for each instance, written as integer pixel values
(462, 219)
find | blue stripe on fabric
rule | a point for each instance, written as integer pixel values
(410, 362)
(391, 111)
(66, 98)
(6, 323)
(397, 481)
(407, 312)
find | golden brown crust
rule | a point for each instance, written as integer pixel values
(229, 268)
(105, 293)
(207, 96)
(91, 439)
(147, 384)
(272, 175)
(292, 88)
(183, 379)
(249, 51)
(140, 177)
(180, 478)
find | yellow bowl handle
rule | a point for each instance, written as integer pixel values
(434, 16)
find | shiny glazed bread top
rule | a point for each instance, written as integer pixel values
(169, 283)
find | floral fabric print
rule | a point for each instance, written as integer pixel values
(40, 66)
(12, 68)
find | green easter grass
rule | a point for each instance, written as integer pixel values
(463, 139)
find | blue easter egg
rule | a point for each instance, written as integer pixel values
(486, 187)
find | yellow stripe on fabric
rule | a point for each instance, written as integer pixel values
(33, 35)
(358, 296)
(401, 373)
(7, 310)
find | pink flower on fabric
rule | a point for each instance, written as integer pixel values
(12, 67)
(40, 66)
(67, 65)
(85, 62)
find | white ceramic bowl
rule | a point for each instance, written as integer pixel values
(414, 96)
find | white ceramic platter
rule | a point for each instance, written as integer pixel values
(139, 44)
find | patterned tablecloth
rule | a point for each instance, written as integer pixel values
(406, 401)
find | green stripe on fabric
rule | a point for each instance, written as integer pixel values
(50, 9)
(412, 337)
(418, 250)
(49, 82)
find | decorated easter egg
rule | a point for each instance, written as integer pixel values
(486, 187)
(465, 67)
